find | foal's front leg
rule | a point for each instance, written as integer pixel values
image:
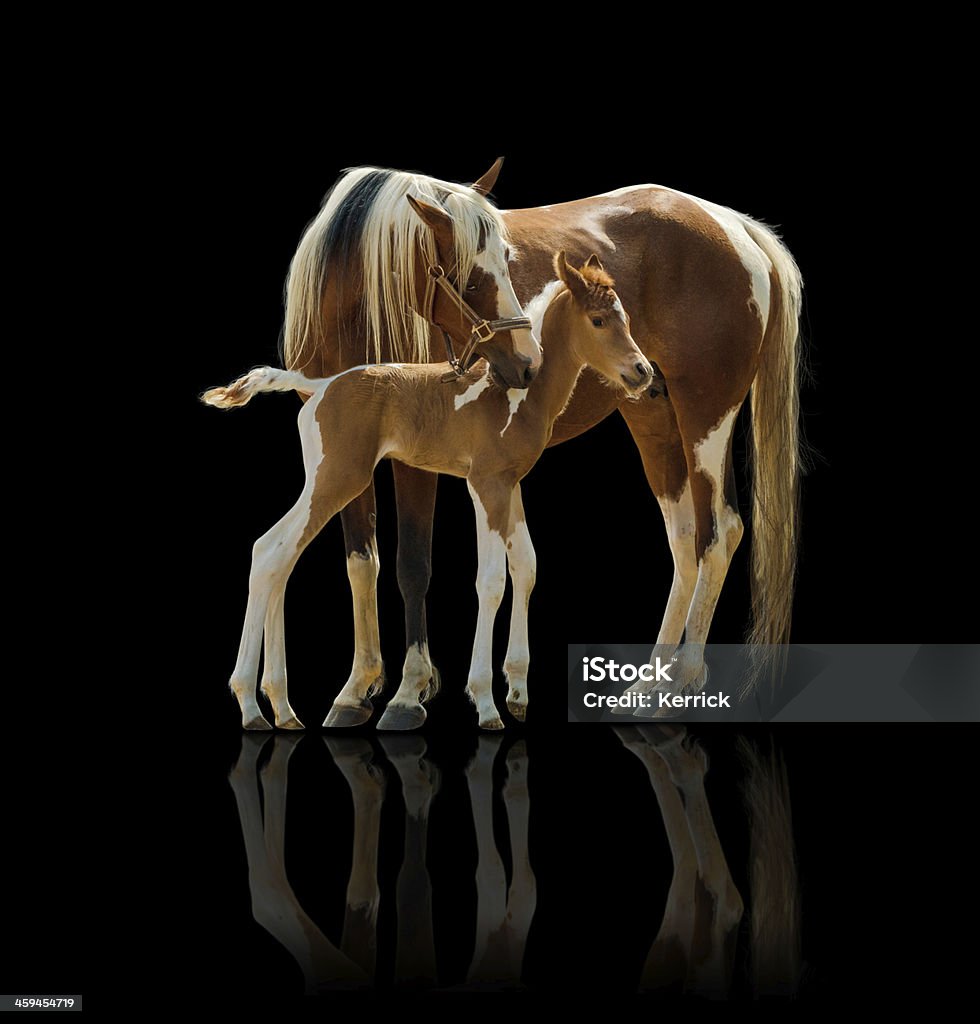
(522, 563)
(492, 504)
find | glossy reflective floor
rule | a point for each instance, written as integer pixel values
(392, 775)
(710, 863)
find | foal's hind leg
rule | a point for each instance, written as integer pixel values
(273, 557)
(522, 563)
(332, 480)
(274, 671)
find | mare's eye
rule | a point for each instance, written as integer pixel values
(597, 321)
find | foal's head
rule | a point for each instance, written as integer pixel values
(599, 328)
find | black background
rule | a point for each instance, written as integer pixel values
(879, 811)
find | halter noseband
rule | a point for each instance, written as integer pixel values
(481, 330)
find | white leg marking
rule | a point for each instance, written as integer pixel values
(709, 458)
(490, 581)
(416, 673)
(522, 563)
(679, 519)
(274, 673)
(273, 557)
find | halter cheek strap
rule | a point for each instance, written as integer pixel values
(481, 329)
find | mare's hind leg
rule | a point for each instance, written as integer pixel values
(522, 563)
(658, 439)
(415, 493)
(352, 706)
(707, 437)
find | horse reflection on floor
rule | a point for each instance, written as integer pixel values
(503, 917)
(694, 950)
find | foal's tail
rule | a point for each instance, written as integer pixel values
(775, 456)
(264, 378)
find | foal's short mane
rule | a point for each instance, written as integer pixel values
(597, 276)
(366, 229)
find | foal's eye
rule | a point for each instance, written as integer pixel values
(471, 287)
(597, 321)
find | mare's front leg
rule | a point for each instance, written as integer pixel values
(492, 504)
(352, 706)
(415, 494)
(522, 563)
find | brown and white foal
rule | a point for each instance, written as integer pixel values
(465, 427)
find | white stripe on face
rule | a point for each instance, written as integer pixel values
(491, 261)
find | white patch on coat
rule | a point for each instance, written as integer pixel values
(473, 392)
(514, 396)
(537, 307)
(756, 263)
(709, 453)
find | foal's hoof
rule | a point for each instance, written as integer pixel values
(290, 723)
(258, 722)
(343, 716)
(519, 711)
(402, 718)
(492, 723)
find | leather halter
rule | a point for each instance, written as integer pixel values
(481, 330)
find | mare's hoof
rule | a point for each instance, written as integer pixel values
(343, 716)
(402, 718)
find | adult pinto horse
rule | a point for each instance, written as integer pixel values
(714, 299)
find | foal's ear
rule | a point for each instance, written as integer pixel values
(440, 222)
(569, 276)
(593, 261)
